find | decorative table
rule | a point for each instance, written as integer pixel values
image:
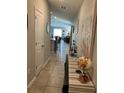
(71, 79)
(75, 86)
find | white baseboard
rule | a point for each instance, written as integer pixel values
(40, 67)
(46, 62)
(31, 82)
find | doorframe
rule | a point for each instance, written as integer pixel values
(39, 68)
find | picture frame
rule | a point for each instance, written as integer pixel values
(47, 27)
(27, 21)
(73, 29)
(77, 24)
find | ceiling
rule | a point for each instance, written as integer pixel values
(65, 9)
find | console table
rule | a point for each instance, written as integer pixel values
(72, 84)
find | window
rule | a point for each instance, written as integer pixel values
(57, 32)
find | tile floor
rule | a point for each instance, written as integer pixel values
(50, 79)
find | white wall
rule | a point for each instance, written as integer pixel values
(30, 42)
(94, 60)
(67, 30)
(43, 6)
(87, 10)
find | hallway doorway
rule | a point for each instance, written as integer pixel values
(39, 41)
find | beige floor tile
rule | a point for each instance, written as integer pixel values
(60, 76)
(53, 90)
(40, 83)
(49, 67)
(55, 81)
(35, 89)
(42, 80)
(51, 78)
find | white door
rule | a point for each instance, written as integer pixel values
(39, 41)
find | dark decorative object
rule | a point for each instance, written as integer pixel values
(27, 21)
(65, 88)
(67, 39)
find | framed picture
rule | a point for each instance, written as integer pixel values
(27, 21)
(47, 27)
(72, 29)
(77, 26)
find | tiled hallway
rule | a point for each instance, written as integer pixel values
(76, 22)
(50, 79)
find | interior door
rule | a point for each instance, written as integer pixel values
(39, 41)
